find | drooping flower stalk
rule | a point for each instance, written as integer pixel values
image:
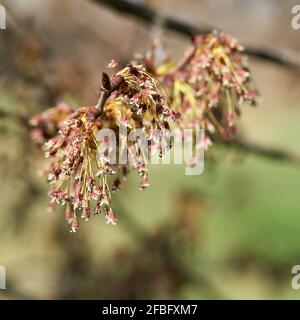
(47, 124)
(208, 85)
(80, 168)
(205, 89)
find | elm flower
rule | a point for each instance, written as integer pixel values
(208, 85)
(46, 125)
(138, 104)
(80, 173)
(74, 166)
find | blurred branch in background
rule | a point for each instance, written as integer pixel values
(18, 118)
(286, 58)
(239, 144)
(277, 154)
(150, 16)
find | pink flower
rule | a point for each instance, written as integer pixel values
(110, 216)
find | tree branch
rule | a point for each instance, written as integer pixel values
(108, 87)
(276, 154)
(286, 58)
(23, 120)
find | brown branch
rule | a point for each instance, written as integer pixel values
(108, 87)
(276, 154)
(105, 92)
(286, 58)
(18, 118)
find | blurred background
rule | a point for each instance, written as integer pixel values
(231, 233)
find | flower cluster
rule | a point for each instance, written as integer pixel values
(45, 125)
(209, 84)
(139, 104)
(76, 173)
(204, 89)
(81, 168)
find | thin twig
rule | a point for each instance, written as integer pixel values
(148, 15)
(276, 154)
(108, 87)
(18, 118)
(286, 58)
